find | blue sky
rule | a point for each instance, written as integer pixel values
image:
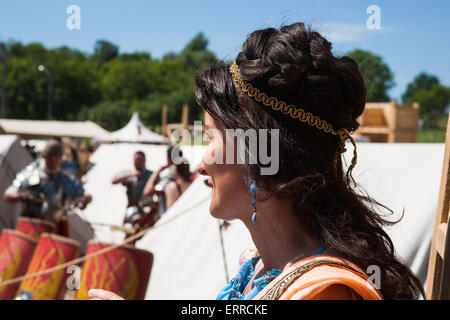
(414, 35)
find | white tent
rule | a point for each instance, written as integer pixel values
(188, 260)
(109, 201)
(13, 158)
(134, 131)
(405, 177)
(45, 129)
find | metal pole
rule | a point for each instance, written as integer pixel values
(3, 57)
(50, 94)
(50, 90)
(222, 245)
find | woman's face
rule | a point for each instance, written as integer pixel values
(231, 197)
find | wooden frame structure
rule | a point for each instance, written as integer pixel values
(168, 128)
(389, 122)
(438, 278)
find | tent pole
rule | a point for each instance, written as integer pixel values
(227, 276)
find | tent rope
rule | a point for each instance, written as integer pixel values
(102, 251)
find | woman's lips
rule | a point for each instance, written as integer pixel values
(209, 182)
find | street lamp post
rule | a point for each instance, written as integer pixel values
(3, 57)
(50, 89)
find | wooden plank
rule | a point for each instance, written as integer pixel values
(444, 290)
(377, 137)
(440, 238)
(405, 136)
(442, 214)
(164, 120)
(398, 122)
(373, 118)
(374, 130)
(391, 118)
(175, 126)
(185, 116)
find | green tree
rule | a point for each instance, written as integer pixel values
(105, 51)
(150, 108)
(195, 55)
(112, 115)
(76, 86)
(421, 81)
(75, 81)
(35, 52)
(377, 75)
(129, 80)
(433, 98)
(26, 91)
(135, 56)
(104, 86)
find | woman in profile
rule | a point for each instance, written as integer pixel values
(175, 189)
(316, 237)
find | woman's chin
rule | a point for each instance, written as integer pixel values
(213, 211)
(219, 213)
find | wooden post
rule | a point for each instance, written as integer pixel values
(438, 268)
(185, 116)
(164, 120)
(393, 121)
(416, 107)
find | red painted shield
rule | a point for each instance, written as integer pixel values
(52, 250)
(16, 250)
(124, 271)
(34, 227)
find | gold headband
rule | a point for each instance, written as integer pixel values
(300, 114)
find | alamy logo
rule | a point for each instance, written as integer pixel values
(239, 146)
(73, 281)
(374, 273)
(374, 20)
(74, 20)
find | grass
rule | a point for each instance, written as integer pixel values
(431, 135)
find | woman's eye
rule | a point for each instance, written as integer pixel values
(207, 137)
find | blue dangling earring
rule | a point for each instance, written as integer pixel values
(253, 191)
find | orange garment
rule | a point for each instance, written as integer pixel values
(321, 282)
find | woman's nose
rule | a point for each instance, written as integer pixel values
(201, 169)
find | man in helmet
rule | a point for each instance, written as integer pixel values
(46, 191)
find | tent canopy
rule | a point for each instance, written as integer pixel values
(28, 129)
(133, 132)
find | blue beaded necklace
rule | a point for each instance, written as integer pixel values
(245, 273)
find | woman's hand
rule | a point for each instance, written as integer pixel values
(149, 188)
(99, 294)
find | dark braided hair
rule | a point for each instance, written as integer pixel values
(183, 171)
(296, 65)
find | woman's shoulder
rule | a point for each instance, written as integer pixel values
(171, 187)
(322, 277)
